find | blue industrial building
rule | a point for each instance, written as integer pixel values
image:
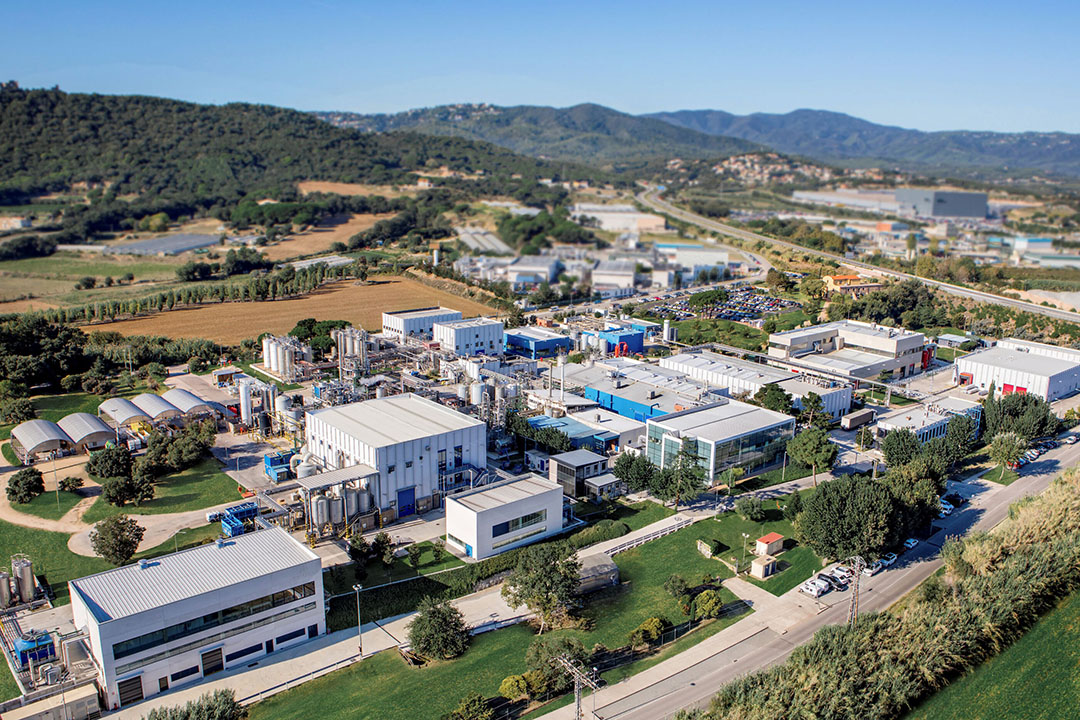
(581, 436)
(634, 339)
(535, 342)
(627, 407)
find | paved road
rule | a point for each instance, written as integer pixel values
(651, 198)
(690, 679)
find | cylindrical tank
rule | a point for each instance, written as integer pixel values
(282, 403)
(287, 370)
(337, 510)
(352, 502)
(264, 422)
(271, 358)
(511, 391)
(5, 590)
(306, 469)
(296, 414)
(245, 403)
(476, 393)
(602, 345)
(266, 350)
(463, 392)
(320, 509)
(22, 568)
(363, 498)
(667, 330)
(500, 392)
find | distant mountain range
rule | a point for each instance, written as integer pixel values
(600, 135)
(582, 133)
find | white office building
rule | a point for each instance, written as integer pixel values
(742, 376)
(476, 336)
(176, 619)
(416, 323)
(615, 273)
(495, 518)
(1012, 367)
(925, 424)
(421, 450)
(532, 270)
(853, 349)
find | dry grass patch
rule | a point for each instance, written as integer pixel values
(319, 239)
(361, 305)
(340, 188)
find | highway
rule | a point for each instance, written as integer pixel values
(651, 198)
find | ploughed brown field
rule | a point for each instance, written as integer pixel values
(319, 238)
(231, 322)
(340, 188)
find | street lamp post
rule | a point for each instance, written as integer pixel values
(744, 537)
(178, 534)
(359, 626)
(56, 485)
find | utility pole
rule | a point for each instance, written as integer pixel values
(857, 565)
(580, 678)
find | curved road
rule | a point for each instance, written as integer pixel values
(651, 198)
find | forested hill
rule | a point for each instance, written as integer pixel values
(835, 137)
(157, 147)
(582, 133)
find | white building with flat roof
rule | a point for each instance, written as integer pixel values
(630, 431)
(532, 270)
(727, 434)
(743, 376)
(619, 218)
(925, 424)
(476, 336)
(495, 518)
(418, 322)
(173, 620)
(853, 349)
(1012, 366)
(421, 449)
(615, 273)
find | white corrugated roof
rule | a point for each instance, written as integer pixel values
(185, 400)
(80, 426)
(154, 405)
(132, 589)
(721, 421)
(1002, 357)
(121, 410)
(33, 434)
(394, 419)
(507, 491)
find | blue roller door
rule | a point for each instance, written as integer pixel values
(406, 502)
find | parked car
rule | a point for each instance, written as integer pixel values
(833, 581)
(1070, 440)
(843, 572)
(910, 543)
(873, 569)
(888, 559)
(812, 589)
(956, 499)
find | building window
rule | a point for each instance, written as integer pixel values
(408, 464)
(391, 468)
(290, 636)
(185, 673)
(518, 523)
(442, 461)
(457, 456)
(243, 653)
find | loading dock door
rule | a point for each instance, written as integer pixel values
(130, 690)
(406, 502)
(212, 662)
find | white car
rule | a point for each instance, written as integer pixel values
(873, 569)
(843, 571)
(888, 560)
(812, 588)
(910, 543)
(946, 505)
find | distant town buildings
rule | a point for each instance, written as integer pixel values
(854, 285)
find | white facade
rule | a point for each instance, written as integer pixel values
(532, 269)
(925, 424)
(178, 618)
(409, 440)
(496, 518)
(1013, 370)
(419, 322)
(619, 218)
(630, 431)
(478, 336)
(614, 273)
(852, 349)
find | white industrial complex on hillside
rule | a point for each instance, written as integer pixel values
(413, 323)
(476, 336)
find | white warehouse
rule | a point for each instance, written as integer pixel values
(176, 619)
(496, 518)
(416, 323)
(476, 336)
(422, 450)
(1012, 369)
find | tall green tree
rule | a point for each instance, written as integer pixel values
(814, 449)
(1006, 448)
(773, 397)
(544, 579)
(116, 538)
(900, 447)
(850, 515)
(438, 630)
(812, 413)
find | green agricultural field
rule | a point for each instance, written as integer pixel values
(698, 331)
(45, 505)
(1033, 679)
(201, 486)
(73, 266)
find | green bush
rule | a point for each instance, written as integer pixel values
(606, 529)
(25, 485)
(648, 632)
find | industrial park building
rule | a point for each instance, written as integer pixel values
(634, 389)
(477, 336)
(742, 376)
(178, 618)
(422, 450)
(924, 202)
(495, 518)
(853, 349)
(619, 218)
(727, 433)
(1022, 367)
(536, 342)
(416, 323)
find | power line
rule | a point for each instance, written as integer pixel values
(580, 678)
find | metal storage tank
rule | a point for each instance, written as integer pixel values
(270, 359)
(296, 414)
(500, 392)
(380, 391)
(266, 350)
(287, 370)
(476, 393)
(5, 590)
(320, 510)
(245, 403)
(363, 498)
(352, 502)
(282, 403)
(264, 422)
(463, 392)
(337, 510)
(511, 391)
(23, 569)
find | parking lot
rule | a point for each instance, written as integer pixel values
(743, 304)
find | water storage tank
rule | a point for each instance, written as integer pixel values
(245, 403)
(337, 510)
(363, 498)
(5, 590)
(463, 392)
(320, 510)
(23, 569)
(266, 350)
(380, 392)
(282, 403)
(271, 360)
(352, 502)
(476, 393)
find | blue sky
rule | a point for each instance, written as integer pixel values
(929, 65)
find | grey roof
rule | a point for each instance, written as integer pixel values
(507, 491)
(577, 458)
(167, 245)
(721, 421)
(1001, 357)
(81, 427)
(437, 311)
(394, 419)
(336, 477)
(122, 410)
(132, 589)
(33, 435)
(155, 406)
(187, 402)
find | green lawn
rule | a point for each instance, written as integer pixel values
(384, 687)
(776, 476)
(187, 538)
(72, 266)
(1033, 679)
(790, 320)
(8, 452)
(8, 687)
(1006, 478)
(339, 581)
(949, 354)
(635, 515)
(45, 506)
(283, 387)
(50, 555)
(697, 331)
(895, 399)
(201, 486)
